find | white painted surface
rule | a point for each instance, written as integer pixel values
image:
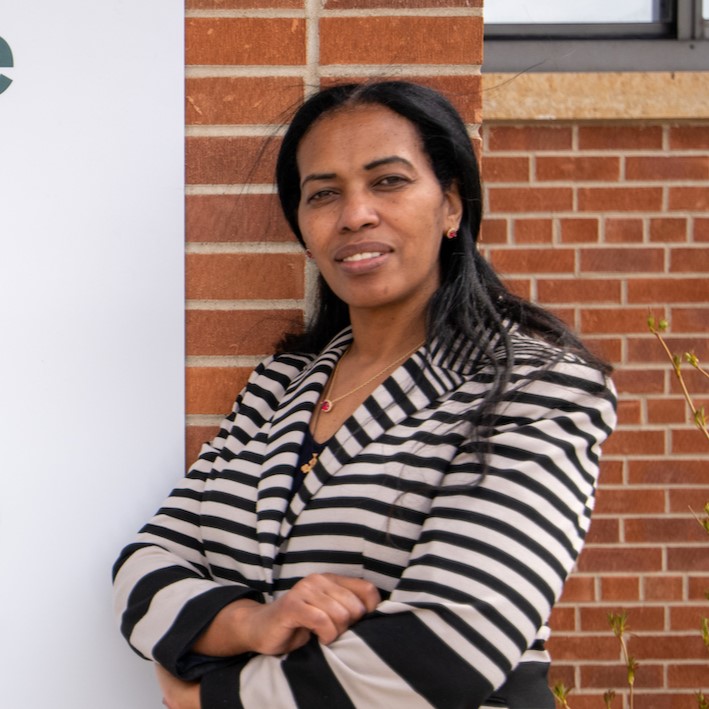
(91, 328)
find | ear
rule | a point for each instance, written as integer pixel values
(454, 206)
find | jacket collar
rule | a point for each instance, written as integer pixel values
(426, 376)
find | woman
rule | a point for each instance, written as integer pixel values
(390, 511)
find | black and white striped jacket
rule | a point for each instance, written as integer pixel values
(468, 569)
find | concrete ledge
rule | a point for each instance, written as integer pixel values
(596, 96)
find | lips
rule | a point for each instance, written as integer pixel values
(352, 253)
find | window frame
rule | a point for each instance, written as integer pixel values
(679, 44)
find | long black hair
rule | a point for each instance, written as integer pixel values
(471, 296)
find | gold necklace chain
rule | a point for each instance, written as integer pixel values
(328, 404)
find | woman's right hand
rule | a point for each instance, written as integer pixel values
(324, 605)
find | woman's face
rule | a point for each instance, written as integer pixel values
(371, 210)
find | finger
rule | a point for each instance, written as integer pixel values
(365, 591)
(328, 609)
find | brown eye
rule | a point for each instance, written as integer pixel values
(392, 181)
(320, 196)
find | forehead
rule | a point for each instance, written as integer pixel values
(358, 135)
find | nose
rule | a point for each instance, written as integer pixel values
(357, 212)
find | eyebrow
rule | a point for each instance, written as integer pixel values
(369, 166)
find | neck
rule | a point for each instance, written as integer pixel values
(381, 336)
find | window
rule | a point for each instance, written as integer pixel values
(596, 35)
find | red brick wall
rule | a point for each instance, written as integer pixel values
(604, 223)
(600, 222)
(248, 63)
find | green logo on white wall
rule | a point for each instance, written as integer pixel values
(5, 62)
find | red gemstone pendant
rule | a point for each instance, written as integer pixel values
(326, 406)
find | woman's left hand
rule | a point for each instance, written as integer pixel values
(176, 693)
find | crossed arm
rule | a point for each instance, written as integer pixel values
(323, 605)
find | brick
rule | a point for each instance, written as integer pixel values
(689, 137)
(615, 676)
(227, 161)
(623, 590)
(687, 440)
(687, 617)
(212, 390)
(607, 348)
(660, 531)
(675, 647)
(530, 199)
(238, 332)
(614, 501)
(697, 587)
(689, 198)
(604, 531)
(690, 260)
(519, 286)
(581, 700)
(624, 559)
(241, 100)
(244, 41)
(401, 40)
(668, 229)
(701, 230)
(503, 169)
(668, 471)
(662, 588)
(619, 231)
(644, 349)
(563, 618)
(620, 137)
(674, 167)
(533, 231)
(690, 319)
(561, 673)
(628, 259)
(628, 441)
(695, 381)
(691, 501)
(195, 437)
(613, 588)
(533, 260)
(398, 4)
(612, 472)
(244, 276)
(688, 675)
(528, 138)
(595, 647)
(578, 169)
(579, 231)
(580, 290)
(629, 412)
(578, 589)
(494, 231)
(620, 199)
(639, 381)
(666, 410)
(235, 218)
(667, 290)
(617, 320)
(566, 315)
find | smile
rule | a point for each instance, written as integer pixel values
(362, 256)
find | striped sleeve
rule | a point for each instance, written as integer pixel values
(164, 592)
(482, 578)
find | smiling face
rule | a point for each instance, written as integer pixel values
(371, 209)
